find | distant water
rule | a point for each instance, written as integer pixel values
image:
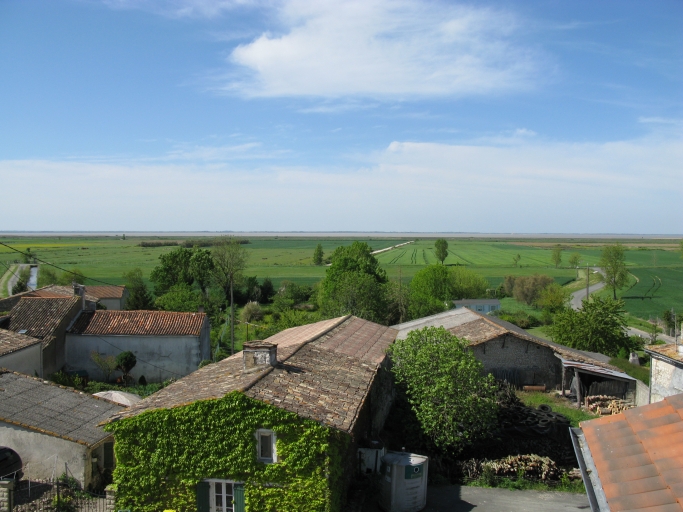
(33, 278)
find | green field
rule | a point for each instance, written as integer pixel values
(107, 258)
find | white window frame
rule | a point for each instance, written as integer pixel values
(259, 433)
(227, 507)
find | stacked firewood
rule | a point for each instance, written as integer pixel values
(528, 466)
(606, 405)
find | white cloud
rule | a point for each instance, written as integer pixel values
(618, 187)
(181, 8)
(384, 49)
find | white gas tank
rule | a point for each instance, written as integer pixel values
(403, 486)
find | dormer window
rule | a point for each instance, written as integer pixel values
(266, 446)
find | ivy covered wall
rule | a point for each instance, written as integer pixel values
(161, 455)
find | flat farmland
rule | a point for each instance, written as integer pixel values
(106, 258)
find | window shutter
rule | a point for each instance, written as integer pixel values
(238, 496)
(203, 496)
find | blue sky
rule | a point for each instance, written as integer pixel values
(524, 117)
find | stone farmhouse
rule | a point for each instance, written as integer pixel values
(21, 353)
(288, 414)
(666, 371)
(167, 344)
(510, 353)
(49, 425)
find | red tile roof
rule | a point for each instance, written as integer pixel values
(324, 373)
(106, 292)
(12, 341)
(639, 456)
(39, 317)
(139, 323)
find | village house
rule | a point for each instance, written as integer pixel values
(510, 353)
(167, 344)
(666, 371)
(21, 353)
(275, 427)
(111, 297)
(52, 291)
(46, 319)
(478, 305)
(50, 425)
(634, 460)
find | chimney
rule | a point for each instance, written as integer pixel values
(258, 355)
(79, 291)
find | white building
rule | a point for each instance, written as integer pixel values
(21, 353)
(666, 371)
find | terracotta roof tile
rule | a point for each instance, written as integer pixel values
(139, 323)
(324, 373)
(638, 455)
(56, 291)
(39, 317)
(106, 292)
(12, 341)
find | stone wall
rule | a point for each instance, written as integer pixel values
(642, 394)
(527, 362)
(6, 487)
(665, 380)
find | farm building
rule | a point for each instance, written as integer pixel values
(478, 305)
(634, 460)
(287, 413)
(52, 291)
(666, 371)
(46, 319)
(111, 297)
(166, 344)
(21, 353)
(510, 353)
(49, 425)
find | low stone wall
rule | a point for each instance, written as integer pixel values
(110, 492)
(642, 393)
(6, 487)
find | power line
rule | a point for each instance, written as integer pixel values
(55, 266)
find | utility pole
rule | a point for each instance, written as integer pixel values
(587, 280)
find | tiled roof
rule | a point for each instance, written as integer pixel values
(488, 302)
(324, 373)
(638, 455)
(57, 291)
(106, 292)
(477, 329)
(12, 341)
(668, 351)
(139, 323)
(39, 317)
(53, 410)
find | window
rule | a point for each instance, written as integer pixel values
(220, 496)
(266, 446)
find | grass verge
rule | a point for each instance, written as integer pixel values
(559, 405)
(637, 372)
(524, 484)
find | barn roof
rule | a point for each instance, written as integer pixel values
(106, 292)
(138, 323)
(54, 410)
(324, 373)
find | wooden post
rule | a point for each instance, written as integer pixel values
(578, 387)
(562, 381)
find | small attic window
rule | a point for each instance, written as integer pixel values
(266, 446)
(22, 331)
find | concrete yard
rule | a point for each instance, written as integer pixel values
(456, 498)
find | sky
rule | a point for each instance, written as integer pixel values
(372, 115)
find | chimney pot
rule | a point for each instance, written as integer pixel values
(259, 354)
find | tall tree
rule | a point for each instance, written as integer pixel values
(467, 284)
(556, 256)
(173, 268)
(354, 284)
(454, 401)
(201, 266)
(599, 326)
(138, 295)
(613, 264)
(574, 260)
(553, 298)
(180, 297)
(229, 261)
(441, 249)
(515, 259)
(318, 255)
(431, 289)
(528, 289)
(398, 301)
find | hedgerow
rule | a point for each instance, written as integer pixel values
(161, 455)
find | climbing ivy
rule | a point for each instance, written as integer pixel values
(161, 455)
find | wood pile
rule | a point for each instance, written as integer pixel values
(606, 405)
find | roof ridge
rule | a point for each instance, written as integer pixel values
(261, 375)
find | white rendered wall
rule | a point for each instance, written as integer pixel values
(666, 380)
(28, 360)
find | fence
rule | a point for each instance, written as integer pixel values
(63, 494)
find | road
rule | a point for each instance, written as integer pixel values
(456, 498)
(14, 278)
(578, 296)
(632, 331)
